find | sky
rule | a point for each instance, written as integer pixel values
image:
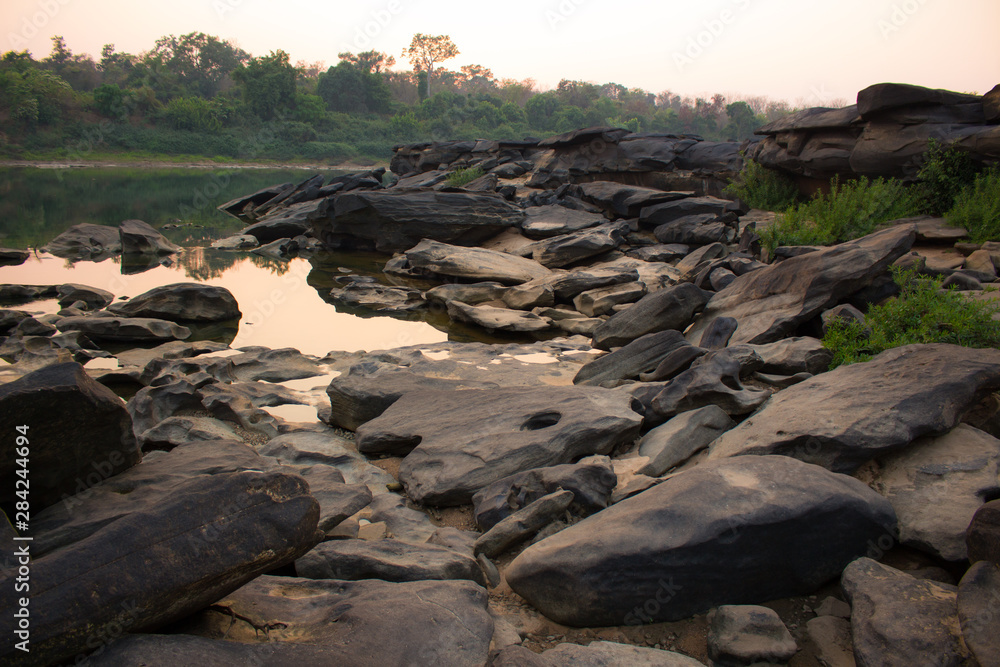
(809, 52)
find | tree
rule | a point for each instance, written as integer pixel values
(372, 62)
(742, 121)
(425, 51)
(268, 84)
(349, 88)
(477, 79)
(198, 62)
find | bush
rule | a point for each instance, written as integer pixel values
(977, 207)
(850, 210)
(763, 188)
(463, 176)
(922, 313)
(944, 174)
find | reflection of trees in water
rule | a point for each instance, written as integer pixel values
(275, 266)
(202, 264)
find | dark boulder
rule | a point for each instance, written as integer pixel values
(138, 237)
(669, 308)
(181, 302)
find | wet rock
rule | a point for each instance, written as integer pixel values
(629, 362)
(93, 297)
(591, 480)
(869, 409)
(473, 263)
(388, 560)
(181, 302)
(746, 634)
(138, 237)
(124, 328)
(86, 241)
(378, 297)
(714, 534)
(682, 437)
(498, 319)
(771, 303)
(470, 439)
(978, 595)
(899, 620)
(554, 220)
(55, 406)
(669, 308)
(982, 538)
(13, 257)
(523, 524)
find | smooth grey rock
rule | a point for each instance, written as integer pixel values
(629, 362)
(983, 535)
(669, 308)
(498, 319)
(747, 634)
(181, 302)
(139, 237)
(94, 297)
(236, 242)
(978, 597)
(472, 294)
(869, 409)
(86, 241)
(899, 620)
(771, 303)
(473, 263)
(718, 334)
(570, 248)
(717, 533)
(388, 560)
(831, 636)
(174, 431)
(304, 449)
(670, 252)
(936, 485)
(794, 355)
(682, 437)
(696, 260)
(377, 297)
(553, 220)
(712, 379)
(522, 524)
(337, 499)
(697, 229)
(124, 328)
(461, 441)
(601, 301)
(595, 654)
(626, 201)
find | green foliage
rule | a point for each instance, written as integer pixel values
(191, 113)
(943, 175)
(922, 313)
(463, 176)
(763, 188)
(849, 211)
(109, 100)
(349, 88)
(268, 84)
(977, 207)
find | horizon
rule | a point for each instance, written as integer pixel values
(702, 54)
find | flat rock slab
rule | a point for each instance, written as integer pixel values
(554, 220)
(771, 303)
(669, 308)
(681, 438)
(715, 534)
(498, 319)
(868, 408)
(461, 441)
(626, 201)
(596, 654)
(639, 356)
(978, 595)
(330, 450)
(181, 302)
(388, 560)
(124, 328)
(747, 634)
(898, 620)
(476, 264)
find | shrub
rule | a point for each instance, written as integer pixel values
(849, 211)
(922, 313)
(944, 174)
(463, 176)
(763, 188)
(977, 207)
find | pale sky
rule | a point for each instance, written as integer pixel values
(806, 51)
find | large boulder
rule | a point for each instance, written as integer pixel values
(554, 220)
(626, 201)
(391, 220)
(682, 437)
(715, 534)
(595, 654)
(138, 237)
(668, 308)
(978, 593)
(868, 409)
(388, 560)
(771, 303)
(982, 538)
(477, 264)
(498, 319)
(124, 328)
(76, 432)
(898, 620)
(461, 441)
(85, 241)
(181, 302)
(639, 356)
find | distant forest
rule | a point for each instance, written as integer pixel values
(199, 96)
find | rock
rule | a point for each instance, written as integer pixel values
(669, 308)
(885, 96)
(899, 620)
(472, 295)
(139, 238)
(982, 537)
(817, 118)
(869, 409)
(401, 521)
(498, 319)
(93, 297)
(670, 252)
(713, 379)
(591, 480)
(236, 242)
(831, 606)
(74, 428)
(124, 328)
(174, 431)
(640, 356)
(470, 439)
(674, 363)
(537, 293)
(523, 524)
(978, 595)
(288, 222)
(626, 201)
(574, 247)
(771, 303)
(671, 211)
(681, 438)
(962, 281)
(832, 638)
(13, 257)
(181, 302)
(711, 535)
(317, 622)
(698, 229)
(281, 250)
(307, 449)
(602, 300)
(388, 560)
(337, 499)
(242, 206)
(721, 278)
(552, 220)
(746, 634)
(794, 355)
(377, 297)
(394, 220)
(937, 484)
(596, 654)
(696, 260)
(473, 263)
(209, 537)
(980, 264)
(86, 241)
(845, 314)
(717, 335)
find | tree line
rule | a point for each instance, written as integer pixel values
(200, 95)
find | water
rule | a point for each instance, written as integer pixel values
(282, 302)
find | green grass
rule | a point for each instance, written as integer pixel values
(463, 176)
(945, 172)
(763, 188)
(977, 207)
(848, 211)
(922, 313)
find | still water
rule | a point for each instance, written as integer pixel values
(282, 302)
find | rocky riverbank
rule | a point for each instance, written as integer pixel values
(660, 470)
